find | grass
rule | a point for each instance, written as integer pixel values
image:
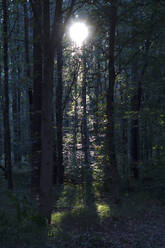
(76, 224)
(76, 221)
(78, 217)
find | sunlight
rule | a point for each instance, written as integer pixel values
(103, 210)
(78, 33)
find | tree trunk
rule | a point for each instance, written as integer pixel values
(50, 48)
(87, 173)
(16, 100)
(98, 80)
(16, 124)
(27, 70)
(36, 98)
(1, 118)
(75, 127)
(112, 163)
(7, 138)
(85, 138)
(59, 112)
(135, 147)
(47, 149)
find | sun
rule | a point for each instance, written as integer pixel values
(78, 33)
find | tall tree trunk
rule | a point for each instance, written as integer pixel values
(47, 142)
(98, 80)
(27, 70)
(36, 97)
(16, 99)
(1, 117)
(59, 111)
(75, 127)
(7, 138)
(16, 124)
(50, 48)
(133, 124)
(112, 163)
(87, 173)
(26, 41)
(135, 147)
(85, 138)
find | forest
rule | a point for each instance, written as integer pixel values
(82, 124)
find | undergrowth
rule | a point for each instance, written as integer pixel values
(78, 218)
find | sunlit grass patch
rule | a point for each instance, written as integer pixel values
(81, 215)
(103, 210)
(80, 226)
(73, 209)
(56, 217)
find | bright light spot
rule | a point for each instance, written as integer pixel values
(103, 210)
(78, 33)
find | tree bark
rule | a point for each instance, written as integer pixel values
(50, 46)
(75, 127)
(135, 147)
(112, 163)
(98, 80)
(7, 137)
(16, 107)
(1, 117)
(27, 70)
(36, 97)
(59, 109)
(85, 138)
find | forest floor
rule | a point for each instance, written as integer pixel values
(82, 220)
(138, 222)
(146, 230)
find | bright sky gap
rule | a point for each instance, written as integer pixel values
(78, 33)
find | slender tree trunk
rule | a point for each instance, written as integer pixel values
(16, 99)
(85, 138)
(36, 97)
(16, 124)
(27, 70)
(59, 112)
(133, 124)
(135, 147)
(112, 163)
(26, 42)
(134, 142)
(96, 125)
(87, 174)
(75, 127)
(47, 139)
(7, 138)
(1, 117)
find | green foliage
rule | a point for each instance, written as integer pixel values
(21, 224)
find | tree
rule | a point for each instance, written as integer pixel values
(112, 163)
(36, 96)
(50, 48)
(7, 137)
(59, 107)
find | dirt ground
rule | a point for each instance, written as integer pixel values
(147, 230)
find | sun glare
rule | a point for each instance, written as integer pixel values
(78, 33)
